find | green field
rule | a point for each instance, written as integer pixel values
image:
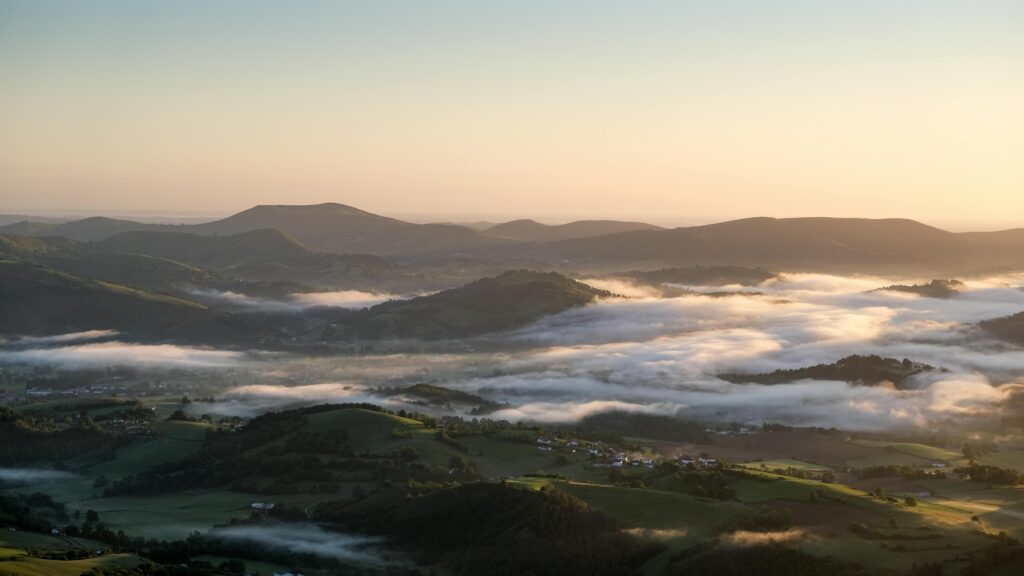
(14, 560)
(1005, 459)
(785, 464)
(173, 440)
(656, 510)
(173, 516)
(40, 567)
(923, 451)
(889, 458)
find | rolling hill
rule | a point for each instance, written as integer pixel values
(533, 231)
(1009, 328)
(27, 228)
(514, 299)
(209, 251)
(89, 229)
(821, 243)
(28, 249)
(884, 246)
(54, 302)
(154, 273)
(340, 228)
(266, 255)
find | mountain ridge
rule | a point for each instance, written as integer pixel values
(528, 230)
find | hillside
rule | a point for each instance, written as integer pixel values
(1009, 328)
(497, 529)
(340, 228)
(1001, 239)
(533, 231)
(798, 243)
(95, 228)
(266, 255)
(867, 370)
(514, 299)
(27, 248)
(153, 273)
(209, 251)
(54, 302)
(26, 228)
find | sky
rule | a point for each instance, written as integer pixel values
(670, 111)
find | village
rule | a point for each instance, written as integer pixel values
(603, 455)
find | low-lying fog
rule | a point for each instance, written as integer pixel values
(309, 539)
(662, 355)
(298, 301)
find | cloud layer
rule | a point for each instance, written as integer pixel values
(115, 353)
(662, 355)
(298, 301)
(26, 475)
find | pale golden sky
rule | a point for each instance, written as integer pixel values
(671, 111)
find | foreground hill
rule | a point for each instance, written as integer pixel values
(340, 228)
(848, 244)
(497, 529)
(514, 299)
(54, 302)
(533, 231)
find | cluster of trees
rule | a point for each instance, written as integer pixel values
(890, 470)
(870, 533)
(458, 426)
(30, 439)
(705, 483)
(37, 512)
(990, 474)
(779, 427)
(764, 519)
(620, 424)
